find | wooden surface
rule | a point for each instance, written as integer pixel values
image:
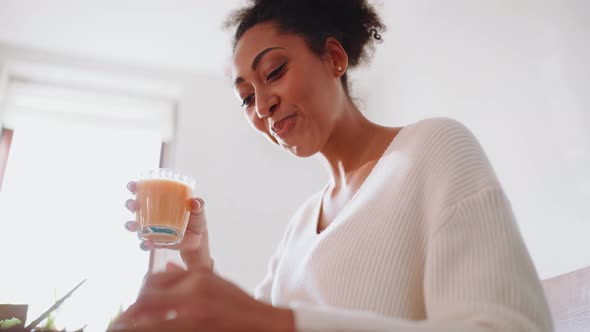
(569, 299)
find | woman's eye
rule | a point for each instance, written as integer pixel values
(273, 74)
(248, 100)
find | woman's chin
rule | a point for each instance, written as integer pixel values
(300, 151)
(298, 145)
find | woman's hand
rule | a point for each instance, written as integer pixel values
(194, 247)
(198, 300)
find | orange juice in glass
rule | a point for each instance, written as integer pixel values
(163, 198)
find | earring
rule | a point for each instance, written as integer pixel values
(339, 69)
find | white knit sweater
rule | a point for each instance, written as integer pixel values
(427, 244)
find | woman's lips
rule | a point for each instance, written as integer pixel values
(282, 128)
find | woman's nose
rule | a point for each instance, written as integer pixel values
(266, 107)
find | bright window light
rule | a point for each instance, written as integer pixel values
(61, 219)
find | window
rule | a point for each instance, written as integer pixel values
(5, 142)
(61, 202)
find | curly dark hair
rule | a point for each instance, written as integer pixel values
(354, 23)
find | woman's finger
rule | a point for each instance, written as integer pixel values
(197, 222)
(147, 245)
(155, 326)
(135, 316)
(162, 281)
(132, 226)
(170, 267)
(163, 292)
(132, 186)
(197, 205)
(131, 205)
(167, 320)
(192, 241)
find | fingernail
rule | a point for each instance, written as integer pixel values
(129, 185)
(171, 315)
(128, 225)
(130, 204)
(197, 203)
(144, 246)
(118, 326)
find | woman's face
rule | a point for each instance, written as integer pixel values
(287, 92)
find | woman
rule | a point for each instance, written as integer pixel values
(413, 231)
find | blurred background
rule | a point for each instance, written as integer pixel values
(92, 92)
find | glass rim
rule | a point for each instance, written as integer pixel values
(164, 173)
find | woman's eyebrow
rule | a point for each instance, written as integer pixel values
(256, 61)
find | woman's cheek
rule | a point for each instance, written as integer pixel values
(260, 126)
(254, 121)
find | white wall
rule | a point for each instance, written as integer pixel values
(514, 71)
(517, 73)
(182, 35)
(251, 187)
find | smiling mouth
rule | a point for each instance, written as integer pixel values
(282, 127)
(279, 125)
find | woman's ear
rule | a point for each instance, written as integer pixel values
(336, 56)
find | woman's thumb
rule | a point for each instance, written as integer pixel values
(197, 205)
(171, 267)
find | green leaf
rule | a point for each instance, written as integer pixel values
(11, 322)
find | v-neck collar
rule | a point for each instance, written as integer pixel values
(318, 208)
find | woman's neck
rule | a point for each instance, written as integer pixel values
(354, 142)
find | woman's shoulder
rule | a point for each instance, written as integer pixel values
(450, 153)
(442, 137)
(432, 129)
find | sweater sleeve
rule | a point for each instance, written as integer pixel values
(263, 291)
(478, 278)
